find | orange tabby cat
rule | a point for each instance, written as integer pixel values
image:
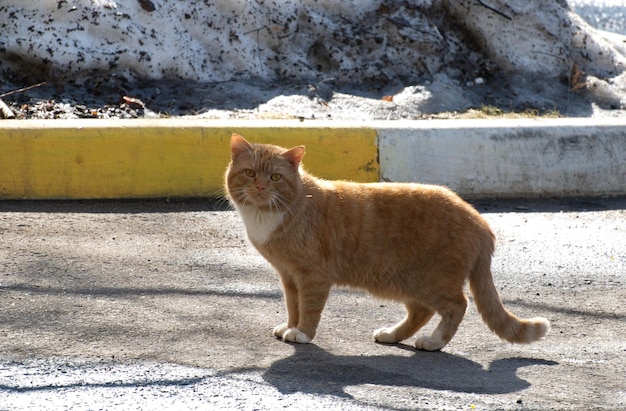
(415, 244)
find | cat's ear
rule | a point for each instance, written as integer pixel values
(239, 145)
(294, 156)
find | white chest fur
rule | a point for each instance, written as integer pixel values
(259, 224)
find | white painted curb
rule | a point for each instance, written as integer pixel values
(508, 157)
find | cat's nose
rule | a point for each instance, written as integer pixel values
(260, 186)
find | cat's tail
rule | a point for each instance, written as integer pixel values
(501, 321)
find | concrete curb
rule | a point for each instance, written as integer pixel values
(509, 157)
(87, 159)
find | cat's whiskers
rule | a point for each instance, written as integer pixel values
(275, 203)
(282, 204)
(242, 196)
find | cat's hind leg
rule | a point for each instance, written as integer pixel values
(416, 316)
(452, 312)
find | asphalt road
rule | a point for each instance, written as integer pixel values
(164, 305)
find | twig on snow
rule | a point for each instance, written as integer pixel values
(10, 93)
(482, 3)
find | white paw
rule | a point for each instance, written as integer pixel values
(429, 344)
(291, 334)
(296, 336)
(279, 330)
(385, 335)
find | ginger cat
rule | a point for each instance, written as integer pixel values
(415, 244)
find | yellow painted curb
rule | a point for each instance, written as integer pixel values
(101, 159)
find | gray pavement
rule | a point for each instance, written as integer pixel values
(163, 305)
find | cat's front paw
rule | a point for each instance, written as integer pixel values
(279, 330)
(291, 334)
(429, 344)
(385, 335)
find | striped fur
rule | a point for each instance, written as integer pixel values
(412, 243)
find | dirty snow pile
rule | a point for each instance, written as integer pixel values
(466, 47)
(222, 40)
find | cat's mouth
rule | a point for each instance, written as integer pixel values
(263, 200)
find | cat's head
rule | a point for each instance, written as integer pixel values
(263, 176)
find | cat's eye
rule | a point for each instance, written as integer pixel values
(249, 173)
(275, 177)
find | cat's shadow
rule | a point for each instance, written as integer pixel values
(313, 370)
